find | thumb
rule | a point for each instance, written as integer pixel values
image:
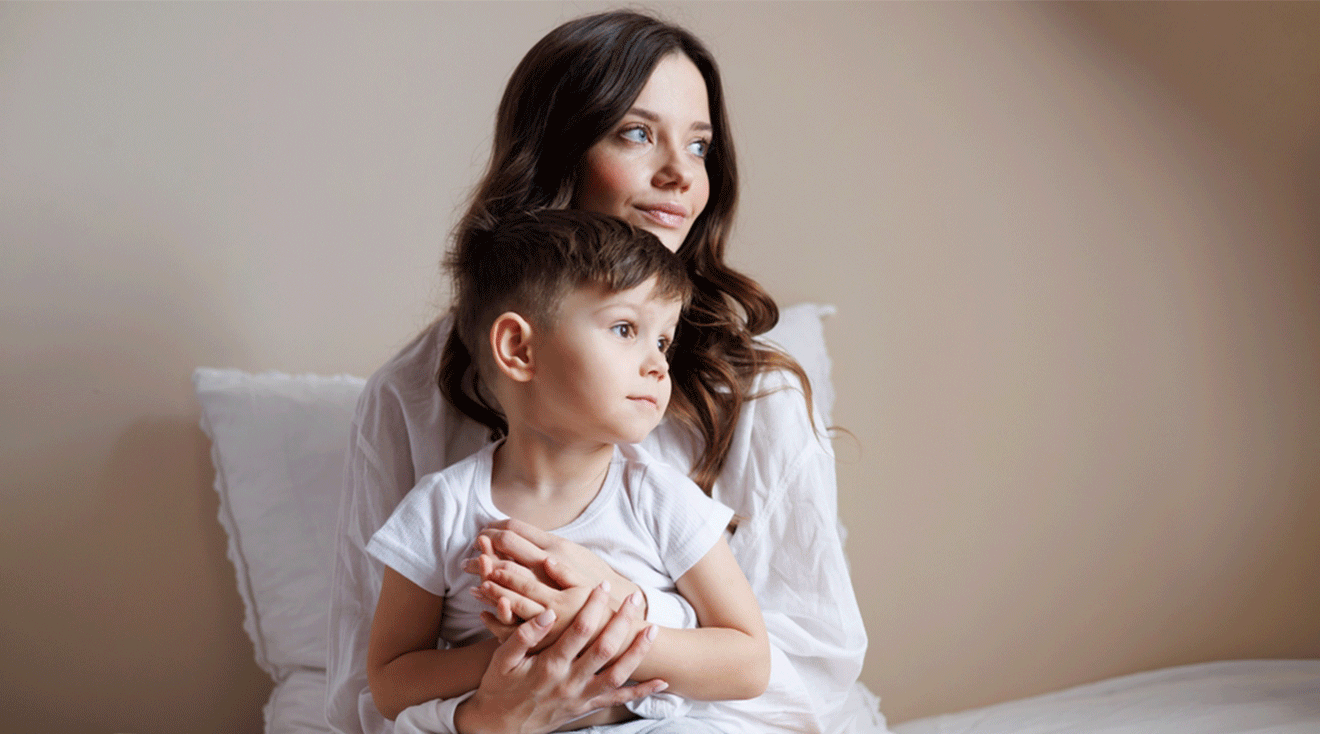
(514, 650)
(561, 575)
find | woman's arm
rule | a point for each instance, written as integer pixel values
(791, 547)
(572, 677)
(514, 688)
(378, 473)
(404, 668)
(728, 656)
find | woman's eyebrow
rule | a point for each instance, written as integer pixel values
(650, 116)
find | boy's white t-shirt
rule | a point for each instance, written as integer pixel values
(648, 521)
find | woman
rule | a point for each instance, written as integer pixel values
(622, 114)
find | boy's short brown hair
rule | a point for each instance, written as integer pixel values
(527, 264)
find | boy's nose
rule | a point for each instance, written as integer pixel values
(656, 365)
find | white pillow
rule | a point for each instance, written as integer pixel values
(278, 442)
(801, 334)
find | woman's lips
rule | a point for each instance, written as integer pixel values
(666, 215)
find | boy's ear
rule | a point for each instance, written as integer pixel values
(511, 346)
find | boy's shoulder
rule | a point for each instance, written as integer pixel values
(638, 462)
(651, 482)
(455, 484)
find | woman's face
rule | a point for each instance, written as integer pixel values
(650, 170)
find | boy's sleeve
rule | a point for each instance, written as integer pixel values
(412, 542)
(684, 521)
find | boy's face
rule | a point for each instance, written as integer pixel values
(601, 373)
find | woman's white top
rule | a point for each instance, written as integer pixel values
(779, 478)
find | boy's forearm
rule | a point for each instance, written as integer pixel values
(424, 675)
(708, 663)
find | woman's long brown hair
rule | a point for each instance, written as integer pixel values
(567, 93)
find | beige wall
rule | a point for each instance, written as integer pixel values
(1075, 250)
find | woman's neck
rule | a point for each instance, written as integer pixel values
(544, 482)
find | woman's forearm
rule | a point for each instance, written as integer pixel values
(423, 675)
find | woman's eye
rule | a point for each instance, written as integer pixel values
(636, 135)
(699, 148)
(623, 330)
(663, 343)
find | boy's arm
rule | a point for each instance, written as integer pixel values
(728, 656)
(404, 667)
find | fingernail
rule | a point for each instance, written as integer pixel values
(605, 586)
(635, 599)
(544, 619)
(663, 685)
(650, 634)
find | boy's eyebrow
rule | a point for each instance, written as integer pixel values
(646, 114)
(607, 304)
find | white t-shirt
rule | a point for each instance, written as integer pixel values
(779, 477)
(648, 522)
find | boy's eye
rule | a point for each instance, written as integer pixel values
(623, 329)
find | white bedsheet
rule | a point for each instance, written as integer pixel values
(1230, 697)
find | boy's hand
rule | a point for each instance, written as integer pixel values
(557, 563)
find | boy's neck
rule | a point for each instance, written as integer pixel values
(540, 481)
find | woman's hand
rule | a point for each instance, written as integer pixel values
(522, 567)
(571, 600)
(539, 692)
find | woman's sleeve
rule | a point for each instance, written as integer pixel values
(377, 474)
(794, 557)
(781, 479)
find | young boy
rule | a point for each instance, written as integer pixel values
(567, 318)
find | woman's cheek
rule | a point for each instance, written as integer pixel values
(606, 188)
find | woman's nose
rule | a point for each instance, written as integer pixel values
(675, 169)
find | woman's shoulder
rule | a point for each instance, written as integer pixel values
(777, 426)
(402, 407)
(777, 403)
(403, 390)
(780, 447)
(411, 372)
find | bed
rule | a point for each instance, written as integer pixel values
(1226, 697)
(277, 447)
